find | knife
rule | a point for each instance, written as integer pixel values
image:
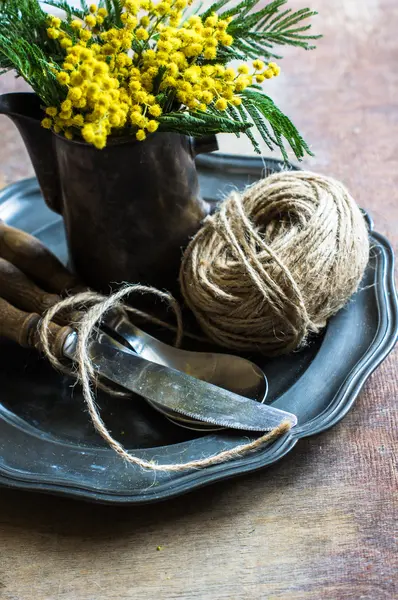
(166, 389)
(172, 391)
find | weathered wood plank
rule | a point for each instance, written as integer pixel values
(321, 523)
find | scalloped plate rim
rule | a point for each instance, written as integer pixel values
(342, 403)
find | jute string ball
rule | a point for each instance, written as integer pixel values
(271, 266)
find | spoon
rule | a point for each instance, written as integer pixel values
(230, 372)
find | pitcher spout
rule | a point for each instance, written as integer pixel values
(25, 111)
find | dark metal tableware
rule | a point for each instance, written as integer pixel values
(176, 392)
(47, 442)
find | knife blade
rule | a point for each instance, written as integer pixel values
(175, 391)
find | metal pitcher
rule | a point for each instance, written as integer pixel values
(128, 209)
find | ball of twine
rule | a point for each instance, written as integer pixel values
(271, 266)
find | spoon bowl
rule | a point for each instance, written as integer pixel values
(230, 372)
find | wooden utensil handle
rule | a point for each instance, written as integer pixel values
(35, 260)
(17, 325)
(21, 327)
(56, 336)
(16, 288)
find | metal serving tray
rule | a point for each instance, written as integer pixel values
(48, 444)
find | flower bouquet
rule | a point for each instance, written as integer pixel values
(133, 67)
(126, 94)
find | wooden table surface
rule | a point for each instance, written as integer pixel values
(321, 523)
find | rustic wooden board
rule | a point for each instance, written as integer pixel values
(321, 523)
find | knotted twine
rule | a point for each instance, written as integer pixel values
(271, 266)
(96, 307)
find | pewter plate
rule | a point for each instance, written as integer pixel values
(48, 444)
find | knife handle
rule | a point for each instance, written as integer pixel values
(22, 327)
(35, 260)
(22, 292)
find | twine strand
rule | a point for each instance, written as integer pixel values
(96, 306)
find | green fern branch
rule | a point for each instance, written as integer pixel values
(262, 109)
(256, 33)
(70, 11)
(26, 47)
(199, 123)
(31, 64)
(238, 113)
